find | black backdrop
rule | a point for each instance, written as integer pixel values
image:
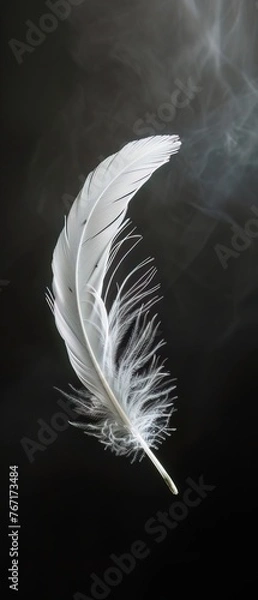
(102, 74)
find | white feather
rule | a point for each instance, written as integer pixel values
(125, 391)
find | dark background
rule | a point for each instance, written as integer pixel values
(85, 91)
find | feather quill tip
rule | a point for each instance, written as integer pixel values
(170, 483)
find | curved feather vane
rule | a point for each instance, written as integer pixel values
(125, 389)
